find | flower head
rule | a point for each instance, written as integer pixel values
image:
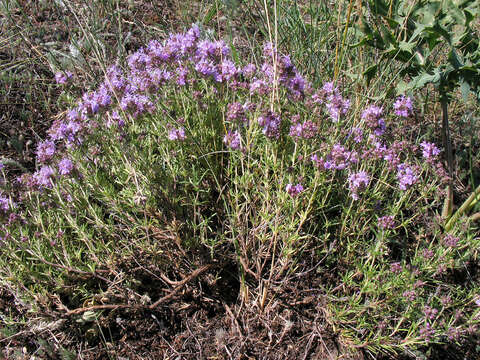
(403, 106)
(294, 190)
(406, 176)
(358, 182)
(177, 134)
(65, 166)
(63, 77)
(45, 150)
(429, 150)
(233, 140)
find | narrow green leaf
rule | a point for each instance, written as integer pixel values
(210, 14)
(370, 73)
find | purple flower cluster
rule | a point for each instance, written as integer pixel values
(270, 122)
(305, 130)
(357, 134)
(386, 222)
(286, 74)
(62, 78)
(429, 312)
(236, 112)
(44, 177)
(65, 166)
(294, 190)
(396, 268)
(409, 295)
(372, 116)
(4, 203)
(406, 176)
(338, 159)
(429, 151)
(233, 140)
(358, 182)
(403, 106)
(45, 150)
(427, 253)
(177, 134)
(67, 131)
(450, 240)
(336, 105)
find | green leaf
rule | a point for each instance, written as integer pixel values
(428, 13)
(88, 316)
(455, 59)
(464, 89)
(418, 30)
(234, 51)
(403, 87)
(407, 46)
(454, 14)
(370, 73)
(210, 14)
(424, 78)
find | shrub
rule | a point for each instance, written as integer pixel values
(254, 164)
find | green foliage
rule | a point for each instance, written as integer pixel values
(417, 33)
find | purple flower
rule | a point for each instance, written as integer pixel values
(358, 182)
(430, 313)
(45, 150)
(73, 115)
(136, 103)
(427, 332)
(271, 124)
(228, 69)
(386, 222)
(4, 203)
(268, 49)
(403, 106)
(396, 267)
(294, 190)
(453, 334)
(429, 150)
(182, 73)
(340, 158)
(2, 165)
(450, 240)
(329, 88)
(410, 295)
(337, 106)
(65, 166)
(236, 112)
(233, 140)
(43, 177)
(249, 70)
(177, 134)
(296, 85)
(372, 116)
(427, 253)
(63, 78)
(114, 80)
(307, 130)
(406, 176)
(357, 134)
(258, 86)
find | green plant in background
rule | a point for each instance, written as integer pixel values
(438, 44)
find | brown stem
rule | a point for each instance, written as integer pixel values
(447, 143)
(181, 283)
